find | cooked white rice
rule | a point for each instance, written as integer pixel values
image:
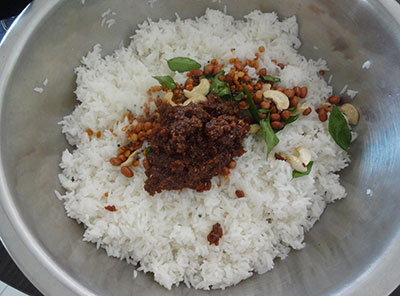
(167, 233)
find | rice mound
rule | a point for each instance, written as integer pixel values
(167, 233)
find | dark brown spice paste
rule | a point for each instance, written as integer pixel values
(192, 144)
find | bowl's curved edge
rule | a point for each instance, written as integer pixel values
(24, 249)
(380, 278)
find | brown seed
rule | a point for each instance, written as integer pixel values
(197, 72)
(277, 125)
(321, 72)
(115, 161)
(89, 132)
(322, 115)
(273, 109)
(243, 105)
(258, 97)
(265, 104)
(294, 101)
(275, 117)
(98, 134)
(334, 100)
(262, 71)
(239, 193)
(225, 171)
(135, 163)
(126, 171)
(134, 137)
(208, 69)
(149, 132)
(229, 77)
(261, 49)
(239, 65)
(289, 92)
(246, 78)
(217, 69)
(285, 114)
(297, 90)
(188, 81)
(280, 65)
(307, 111)
(232, 164)
(147, 125)
(303, 92)
(138, 127)
(189, 87)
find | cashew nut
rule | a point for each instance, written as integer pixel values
(351, 113)
(300, 108)
(202, 89)
(254, 128)
(265, 87)
(279, 98)
(299, 163)
(168, 97)
(304, 154)
(130, 159)
(296, 163)
(196, 99)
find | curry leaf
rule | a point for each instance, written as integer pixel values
(339, 129)
(166, 81)
(263, 111)
(291, 108)
(291, 119)
(252, 107)
(297, 174)
(182, 64)
(239, 96)
(271, 78)
(219, 87)
(147, 150)
(268, 134)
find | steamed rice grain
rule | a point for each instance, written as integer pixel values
(167, 233)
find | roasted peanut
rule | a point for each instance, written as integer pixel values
(258, 97)
(303, 92)
(275, 117)
(126, 171)
(294, 101)
(285, 114)
(115, 161)
(322, 115)
(307, 111)
(334, 100)
(276, 125)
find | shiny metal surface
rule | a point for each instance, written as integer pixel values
(353, 250)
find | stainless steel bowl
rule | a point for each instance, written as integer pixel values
(353, 250)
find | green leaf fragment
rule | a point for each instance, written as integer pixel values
(339, 129)
(297, 174)
(268, 134)
(291, 119)
(239, 96)
(271, 78)
(183, 64)
(252, 107)
(219, 87)
(166, 81)
(263, 111)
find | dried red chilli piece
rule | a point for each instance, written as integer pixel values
(111, 208)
